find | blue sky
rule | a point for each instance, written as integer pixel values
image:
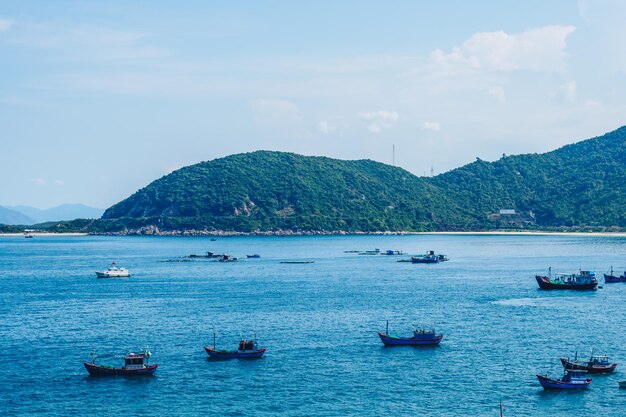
(99, 99)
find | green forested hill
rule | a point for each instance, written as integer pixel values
(266, 190)
(583, 184)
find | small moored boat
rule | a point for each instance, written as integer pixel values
(421, 337)
(135, 364)
(256, 255)
(392, 252)
(429, 258)
(114, 272)
(228, 258)
(611, 277)
(597, 364)
(572, 379)
(376, 251)
(583, 280)
(622, 384)
(247, 349)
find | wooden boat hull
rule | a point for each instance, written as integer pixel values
(425, 261)
(557, 384)
(591, 369)
(614, 278)
(96, 370)
(409, 341)
(234, 354)
(112, 275)
(546, 284)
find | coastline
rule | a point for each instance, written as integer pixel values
(285, 233)
(45, 234)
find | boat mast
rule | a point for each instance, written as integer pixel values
(387, 331)
(501, 410)
(213, 340)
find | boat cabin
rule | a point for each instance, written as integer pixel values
(425, 334)
(574, 374)
(247, 345)
(599, 360)
(583, 277)
(135, 360)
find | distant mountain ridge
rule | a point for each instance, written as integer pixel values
(58, 213)
(14, 217)
(582, 184)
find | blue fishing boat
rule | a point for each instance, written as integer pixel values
(429, 258)
(421, 337)
(247, 349)
(611, 277)
(572, 379)
(583, 280)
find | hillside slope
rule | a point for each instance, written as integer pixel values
(578, 185)
(265, 190)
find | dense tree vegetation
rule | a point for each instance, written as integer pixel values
(578, 186)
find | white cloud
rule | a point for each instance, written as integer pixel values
(568, 90)
(275, 111)
(5, 24)
(59, 183)
(434, 126)
(497, 92)
(89, 43)
(326, 127)
(380, 120)
(593, 103)
(540, 49)
(38, 181)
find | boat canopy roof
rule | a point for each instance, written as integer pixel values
(574, 371)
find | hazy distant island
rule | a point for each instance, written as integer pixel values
(579, 187)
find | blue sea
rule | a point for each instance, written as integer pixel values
(318, 322)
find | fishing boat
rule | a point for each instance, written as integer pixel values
(114, 272)
(597, 364)
(135, 364)
(611, 277)
(247, 349)
(297, 262)
(256, 255)
(572, 379)
(583, 280)
(228, 258)
(392, 252)
(370, 252)
(421, 337)
(429, 258)
(28, 235)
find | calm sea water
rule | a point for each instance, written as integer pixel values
(317, 320)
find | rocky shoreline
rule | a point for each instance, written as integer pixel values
(155, 231)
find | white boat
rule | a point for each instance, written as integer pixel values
(114, 272)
